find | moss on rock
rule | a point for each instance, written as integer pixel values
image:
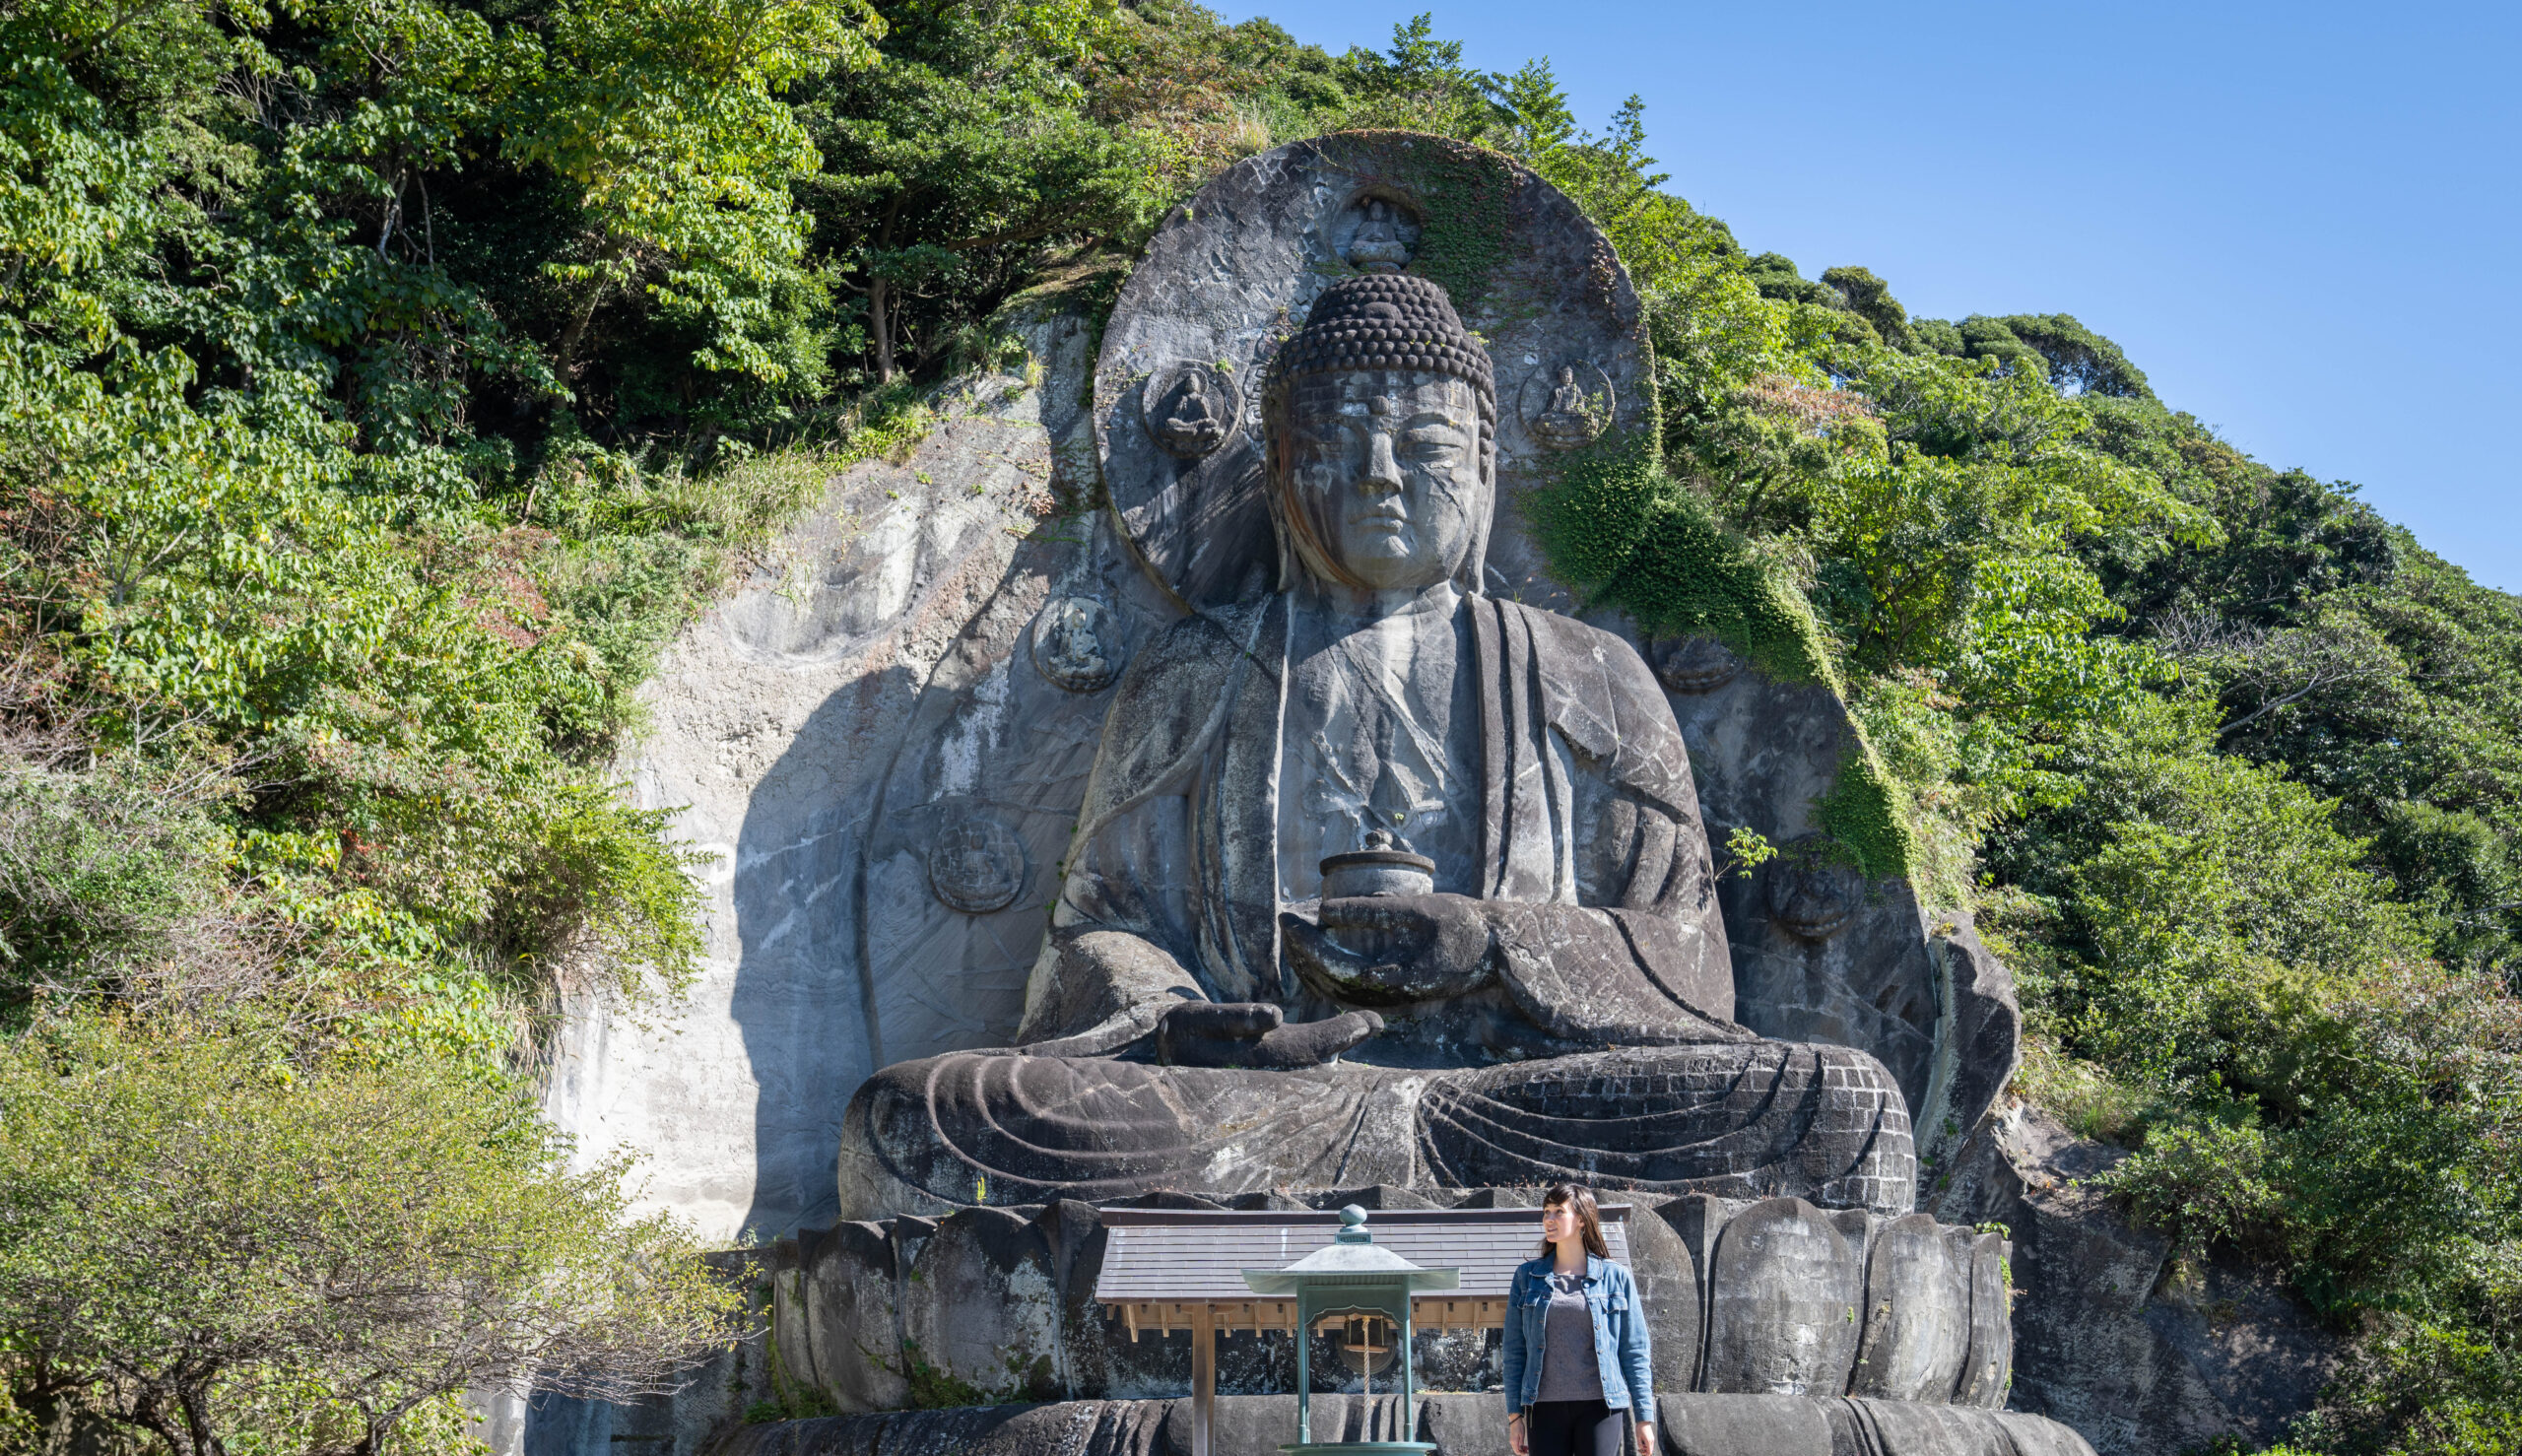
(1866, 813)
(1690, 574)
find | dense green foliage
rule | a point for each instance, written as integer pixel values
(382, 385)
(2225, 763)
(198, 1244)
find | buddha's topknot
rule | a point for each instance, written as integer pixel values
(1385, 321)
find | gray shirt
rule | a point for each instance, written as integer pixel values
(1570, 1370)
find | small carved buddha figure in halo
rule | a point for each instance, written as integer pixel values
(1377, 246)
(1072, 652)
(1193, 424)
(1565, 398)
(1567, 421)
(1546, 994)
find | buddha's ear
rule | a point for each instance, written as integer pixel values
(1470, 576)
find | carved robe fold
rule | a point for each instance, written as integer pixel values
(1587, 821)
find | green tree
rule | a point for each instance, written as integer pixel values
(951, 165)
(1418, 84)
(202, 1244)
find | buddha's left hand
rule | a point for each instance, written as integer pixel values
(1391, 949)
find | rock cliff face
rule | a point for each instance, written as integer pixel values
(2140, 1352)
(885, 735)
(882, 740)
(1821, 952)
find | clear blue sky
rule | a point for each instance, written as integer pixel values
(2299, 221)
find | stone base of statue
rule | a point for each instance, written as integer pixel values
(1456, 1424)
(1742, 1297)
(1735, 1119)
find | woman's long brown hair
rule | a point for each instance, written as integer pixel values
(1589, 1223)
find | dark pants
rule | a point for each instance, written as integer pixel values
(1574, 1429)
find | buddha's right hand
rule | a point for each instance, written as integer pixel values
(1393, 950)
(1255, 1034)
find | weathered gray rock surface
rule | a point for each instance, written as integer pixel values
(2111, 1335)
(1821, 953)
(887, 735)
(880, 737)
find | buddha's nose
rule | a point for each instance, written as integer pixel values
(1383, 471)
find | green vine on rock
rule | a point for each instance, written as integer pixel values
(1686, 573)
(1616, 524)
(935, 1388)
(1866, 814)
(1593, 516)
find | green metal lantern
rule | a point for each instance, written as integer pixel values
(1353, 1276)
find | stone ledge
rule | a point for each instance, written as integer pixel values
(1458, 1425)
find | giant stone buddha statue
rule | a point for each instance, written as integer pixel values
(1380, 879)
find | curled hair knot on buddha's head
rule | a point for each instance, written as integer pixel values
(1385, 321)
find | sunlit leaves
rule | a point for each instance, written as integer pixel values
(210, 1241)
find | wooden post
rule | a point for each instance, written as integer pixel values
(1204, 1378)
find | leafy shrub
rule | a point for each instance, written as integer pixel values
(203, 1243)
(2204, 1180)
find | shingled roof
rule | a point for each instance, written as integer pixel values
(1174, 1255)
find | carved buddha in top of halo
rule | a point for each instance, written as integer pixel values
(1557, 1002)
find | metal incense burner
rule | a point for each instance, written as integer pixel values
(1353, 1278)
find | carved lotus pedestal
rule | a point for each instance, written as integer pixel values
(1778, 1328)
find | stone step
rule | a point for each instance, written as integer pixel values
(1694, 1425)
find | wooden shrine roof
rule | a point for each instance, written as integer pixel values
(1179, 1255)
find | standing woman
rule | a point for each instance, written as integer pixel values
(1578, 1366)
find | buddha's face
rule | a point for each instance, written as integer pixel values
(1380, 472)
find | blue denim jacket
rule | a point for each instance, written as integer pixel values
(1620, 1344)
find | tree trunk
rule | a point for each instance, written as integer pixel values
(880, 321)
(567, 348)
(195, 1399)
(881, 328)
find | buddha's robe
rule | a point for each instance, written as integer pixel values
(1603, 1050)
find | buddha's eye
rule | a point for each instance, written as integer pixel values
(1432, 446)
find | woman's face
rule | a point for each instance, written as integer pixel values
(1558, 1222)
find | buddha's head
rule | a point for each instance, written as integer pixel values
(1380, 417)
